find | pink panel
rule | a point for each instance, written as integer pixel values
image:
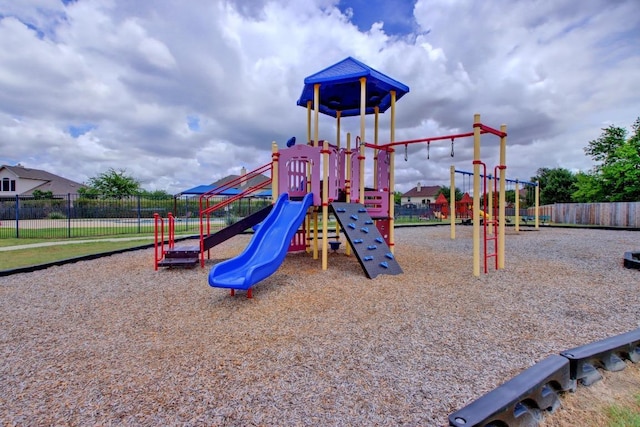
(377, 203)
(294, 165)
(355, 176)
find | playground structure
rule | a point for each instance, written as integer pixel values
(490, 210)
(490, 202)
(321, 179)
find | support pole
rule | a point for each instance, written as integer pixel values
(274, 171)
(376, 119)
(347, 182)
(363, 113)
(537, 208)
(452, 201)
(315, 232)
(309, 120)
(392, 175)
(517, 219)
(363, 106)
(316, 113)
(502, 199)
(476, 195)
(338, 129)
(325, 203)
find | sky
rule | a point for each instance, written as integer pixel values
(180, 96)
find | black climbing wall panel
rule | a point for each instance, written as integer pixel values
(370, 249)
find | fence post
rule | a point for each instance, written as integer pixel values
(69, 215)
(139, 214)
(17, 216)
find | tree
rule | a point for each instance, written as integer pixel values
(616, 177)
(556, 185)
(112, 184)
(156, 194)
(588, 188)
(397, 197)
(40, 195)
(447, 192)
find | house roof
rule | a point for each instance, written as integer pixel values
(54, 183)
(252, 182)
(425, 191)
(232, 191)
(340, 89)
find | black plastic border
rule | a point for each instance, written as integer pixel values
(522, 400)
(632, 260)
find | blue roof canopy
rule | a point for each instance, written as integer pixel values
(201, 189)
(340, 89)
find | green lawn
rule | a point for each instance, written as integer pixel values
(624, 415)
(47, 254)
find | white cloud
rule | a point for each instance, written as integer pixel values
(136, 73)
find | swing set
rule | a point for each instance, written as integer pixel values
(479, 187)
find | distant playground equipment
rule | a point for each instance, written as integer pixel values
(492, 214)
(463, 207)
(318, 179)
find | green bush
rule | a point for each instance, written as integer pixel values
(56, 215)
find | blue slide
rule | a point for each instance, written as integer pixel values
(267, 248)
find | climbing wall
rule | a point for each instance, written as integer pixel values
(372, 251)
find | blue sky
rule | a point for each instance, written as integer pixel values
(180, 97)
(397, 15)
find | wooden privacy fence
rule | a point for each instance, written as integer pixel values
(618, 214)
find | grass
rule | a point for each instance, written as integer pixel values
(624, 415)
(43, 255)
(75, 246)
(90, 232)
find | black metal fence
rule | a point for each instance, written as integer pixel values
(72, 215)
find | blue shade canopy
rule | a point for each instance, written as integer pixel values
(340, 89)
(201, 189)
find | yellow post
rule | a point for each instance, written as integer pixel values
(452, 201)
(537, 208)
(363, 113)
(392, 175)
(274, 171)
(347, 182)
(308, 121)
(315, 233)
(517, 219)
(476, 196)
(316, 112)
(363, 106)
(502, 200)
(338, 129)
(376, 119)
(325, 202)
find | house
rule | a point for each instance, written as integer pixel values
(20, 181)
(254, 181)
(420, 196)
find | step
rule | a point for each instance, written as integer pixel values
(183, 252)
(179, 262)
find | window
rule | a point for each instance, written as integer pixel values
(8, 184)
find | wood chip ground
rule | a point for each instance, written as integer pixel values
(113, 342)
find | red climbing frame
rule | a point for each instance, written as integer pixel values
(490, 218)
